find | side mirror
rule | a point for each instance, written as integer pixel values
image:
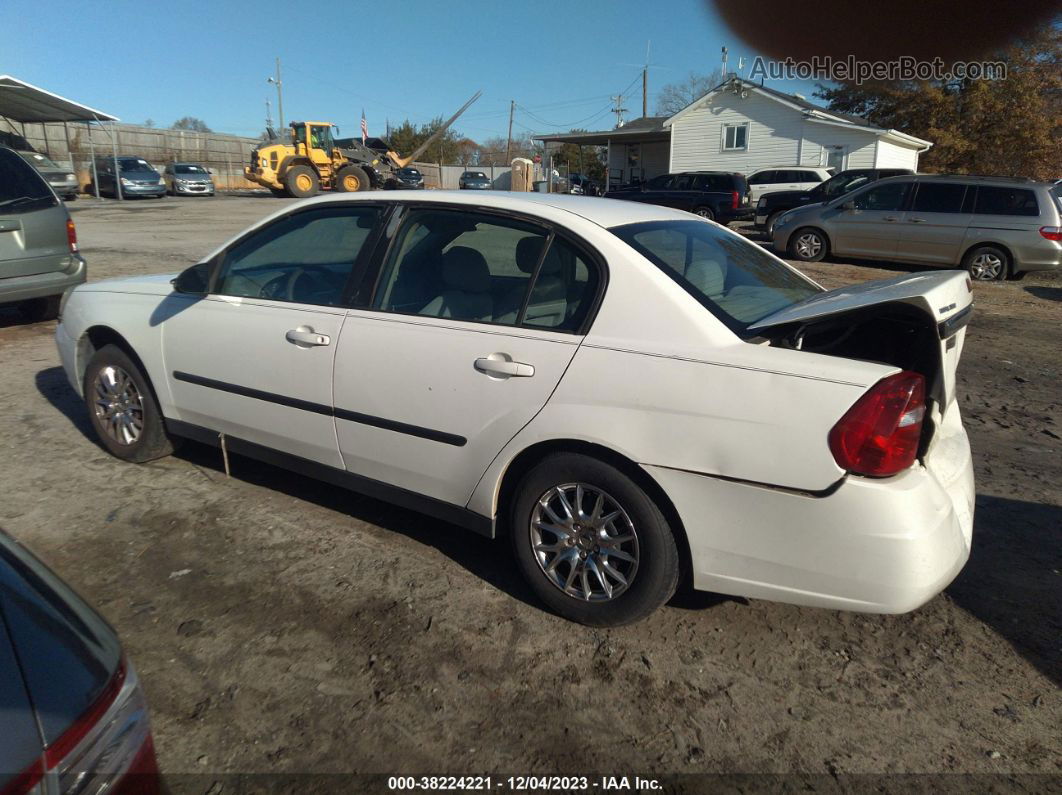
(194, 280)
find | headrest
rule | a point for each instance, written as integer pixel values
(528, 250)
(708, 276)
(464, 268)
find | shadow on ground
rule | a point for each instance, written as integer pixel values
(1047, 293)
(1013, 582)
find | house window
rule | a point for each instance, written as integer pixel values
(735, 137)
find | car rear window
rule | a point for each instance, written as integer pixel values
(22, 188)
(735, 280)
(1006, 201)
(68, 654)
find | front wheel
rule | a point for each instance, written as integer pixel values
(591, 543)
(705, 212)
(808, 245)
(122, 407)
(302, 182)
(986, 264)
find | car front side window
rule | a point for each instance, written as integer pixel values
(305, 257)
(890, 196)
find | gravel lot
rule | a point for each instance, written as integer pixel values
(283, 626)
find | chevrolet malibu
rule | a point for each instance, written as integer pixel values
(634, 397)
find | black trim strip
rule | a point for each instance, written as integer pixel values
(446, 511)
(320, 408)
(948, 328)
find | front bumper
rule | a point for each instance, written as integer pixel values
(42, 285)
(194, 189)
(143, 190)
(877, 546)
(760, 221)
(475, 187)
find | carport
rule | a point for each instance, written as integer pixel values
(24, 103)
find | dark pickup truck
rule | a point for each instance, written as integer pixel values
(716, 195)
(771, 205)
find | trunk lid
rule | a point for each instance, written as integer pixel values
(943, 299)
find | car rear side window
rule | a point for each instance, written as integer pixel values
(22, 189)
(1006, 201)
(67, 652)
(939, 197)
(763, 178)
(306, 257)
(735, 280)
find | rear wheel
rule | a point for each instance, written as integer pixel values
(350, 179)
(302, 182)
(591, 543)
(808, 245)
(280, 193)
(122, 407)
(986, 264)
(705, 212)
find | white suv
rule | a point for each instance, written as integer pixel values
(776, 178)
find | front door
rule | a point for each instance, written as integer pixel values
(475, 318)
(870, 227)
(253, 358)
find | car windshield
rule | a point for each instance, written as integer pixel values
(409, 172)
(38, 160)
(132, 165)
(183, 169)
(735, 280)
(475, 175)
(841, 184)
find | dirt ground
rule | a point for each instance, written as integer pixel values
(283, 626)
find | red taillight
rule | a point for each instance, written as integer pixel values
(1051, 232)
(879, 435)
(71, 236)
(69, 739)
(734, 200)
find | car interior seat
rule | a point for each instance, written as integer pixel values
(466, 287)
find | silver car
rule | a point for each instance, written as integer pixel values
(188, 179)
(61, 179)
(994, 227)
(39, 258)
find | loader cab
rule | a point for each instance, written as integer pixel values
(320, 138)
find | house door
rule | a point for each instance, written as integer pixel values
(835, 158)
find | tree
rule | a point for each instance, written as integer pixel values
(1008, 127)
(407, 137)
(149, 122)
(190, 123)
(675, 96)
(572, 158)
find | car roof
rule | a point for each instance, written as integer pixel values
(603, 212)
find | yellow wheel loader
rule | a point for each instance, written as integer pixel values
(313, 161)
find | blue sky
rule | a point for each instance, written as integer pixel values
(559, 60)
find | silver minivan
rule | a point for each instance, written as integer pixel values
(993, 227)
(39, 258)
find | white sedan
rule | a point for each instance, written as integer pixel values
(635, 397)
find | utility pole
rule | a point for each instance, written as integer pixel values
(269, 115)
(619, 110)
(280, 94)
(509, 138)
(645, 91)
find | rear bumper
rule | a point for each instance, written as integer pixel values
(1045, 255)
(740, 214)
(41, 285)
(877, 546)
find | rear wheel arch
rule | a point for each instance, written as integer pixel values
(529, 457)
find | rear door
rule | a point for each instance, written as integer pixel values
(934, 228)
(33, 233)
(871, 228)
(456, 351)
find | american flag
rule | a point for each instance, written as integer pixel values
(364, 126)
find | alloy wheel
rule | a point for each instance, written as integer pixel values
(986, 267)
(808, 245)
(584, 542)
(118, 405)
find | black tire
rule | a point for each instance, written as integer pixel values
(987, 264)
(651, 583)
(302, 182)
(152, 441)
(280, 193)
(37, 310)
(769, 226)
(350, 179)
(704, 212)
(812, 251)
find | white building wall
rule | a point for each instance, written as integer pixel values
(892, 155)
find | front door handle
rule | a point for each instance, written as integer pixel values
(917, 220)
(306, 337)
(501, 365)
(889, 218)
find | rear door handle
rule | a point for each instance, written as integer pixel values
(889, 218)
(306, 337)
(501, 365)
(917, 220)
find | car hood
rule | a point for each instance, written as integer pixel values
(193, 177)
(153, 284)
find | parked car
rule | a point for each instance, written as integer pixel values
(628, 393)
(474, 180)
(137, 177)
(582, 185)
(409, 179)
(39, 258)
(715, 195)
(993, 227)
(780, 178)
(74, 717)
(772, 205)
(188, 179)
(62, 180)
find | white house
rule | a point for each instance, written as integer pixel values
(742, 126)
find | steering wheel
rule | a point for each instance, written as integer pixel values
(285, 288)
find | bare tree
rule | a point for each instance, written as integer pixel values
(190, 123)
(675, 96)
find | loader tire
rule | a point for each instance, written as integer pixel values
(302, 182)
(351, 179)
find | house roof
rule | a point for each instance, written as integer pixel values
(646, 128)
(22, 102)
